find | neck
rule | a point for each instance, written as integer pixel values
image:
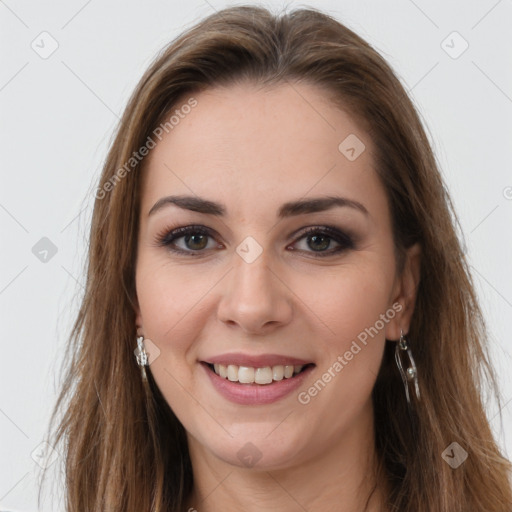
(343, 477)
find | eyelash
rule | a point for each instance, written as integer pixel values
(167, 237)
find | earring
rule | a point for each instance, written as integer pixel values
(141, 356)
(411, 374)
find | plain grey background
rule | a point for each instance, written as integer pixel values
(67, 71)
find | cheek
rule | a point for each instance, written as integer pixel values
(348, 307)
(347, 300)
(164, 297)
(163, 304)
(168, 295)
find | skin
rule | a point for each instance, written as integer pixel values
(253, 149)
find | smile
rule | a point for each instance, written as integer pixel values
(250, 379)
(261, 375)
(256, 385)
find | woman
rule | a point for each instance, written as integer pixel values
(278, 313)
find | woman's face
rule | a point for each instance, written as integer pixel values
(248, 289)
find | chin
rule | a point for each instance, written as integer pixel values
(257, 452)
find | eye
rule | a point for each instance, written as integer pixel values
(320, 238)
(195, 240)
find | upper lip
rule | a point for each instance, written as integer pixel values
(259, 361)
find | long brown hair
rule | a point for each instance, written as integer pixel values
(124, 448)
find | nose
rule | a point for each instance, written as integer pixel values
(255, 298)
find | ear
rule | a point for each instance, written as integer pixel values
(404, 293)
(138, 319)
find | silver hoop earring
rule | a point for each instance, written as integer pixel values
(411, 374)
(141, 356)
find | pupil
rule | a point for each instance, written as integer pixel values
(188, 238)
(316, 238)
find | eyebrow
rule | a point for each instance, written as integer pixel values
(289, 209)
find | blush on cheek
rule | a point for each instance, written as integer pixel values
(352, 316)
(359, 340)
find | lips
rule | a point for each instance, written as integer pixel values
(254, 393)
(260, 361)
(260, 370)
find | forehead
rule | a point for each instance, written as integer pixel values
(246, 145)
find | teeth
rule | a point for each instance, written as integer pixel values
(245, 374)
(223, 371)
(278, 372)
(232, 373)
(263, 375)
(249, 375)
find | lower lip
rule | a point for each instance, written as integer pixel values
(255, 394)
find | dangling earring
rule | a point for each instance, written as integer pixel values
(141, 356)
(411, 374)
